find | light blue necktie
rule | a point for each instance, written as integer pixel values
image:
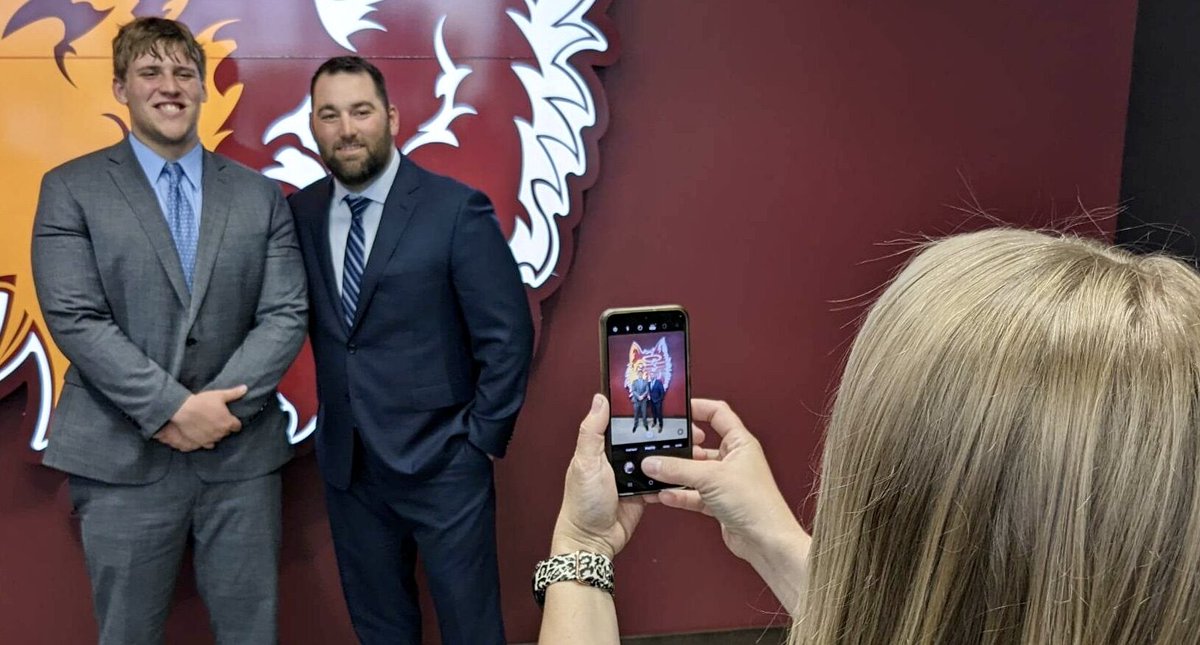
(352, 268)
(182, 220)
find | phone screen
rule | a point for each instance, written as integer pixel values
(646, 354)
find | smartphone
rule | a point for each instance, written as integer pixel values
(645, 354)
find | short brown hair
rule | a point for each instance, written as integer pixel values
(157, 37)
(352, 65)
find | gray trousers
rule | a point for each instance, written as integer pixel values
(639, 413)
(134, 539)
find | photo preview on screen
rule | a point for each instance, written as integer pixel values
(647, 383)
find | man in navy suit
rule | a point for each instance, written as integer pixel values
(657, 393)
(422, 338)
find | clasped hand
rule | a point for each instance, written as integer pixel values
(203, 420)
(732, 483)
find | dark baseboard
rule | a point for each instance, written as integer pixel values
(759, 636)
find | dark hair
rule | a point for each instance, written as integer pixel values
(352, 65)
(155, 36)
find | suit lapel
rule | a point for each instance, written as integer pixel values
(214, 215)
(131, 180)
(320, 236)
(397, 211)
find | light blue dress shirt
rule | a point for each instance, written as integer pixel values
(193, 166)
(339, 215)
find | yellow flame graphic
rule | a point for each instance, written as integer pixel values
(45, 121)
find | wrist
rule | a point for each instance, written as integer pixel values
(780, 557)
(581, 567)
(779, 541)
(182, 411)
(568, 541)
(786, 558)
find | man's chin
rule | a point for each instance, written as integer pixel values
(349, 179)
(166, 139)
(356, 176)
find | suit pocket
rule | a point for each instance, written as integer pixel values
(80, 406)
(442, 395)
(88, 430)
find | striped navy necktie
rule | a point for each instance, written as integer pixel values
(356, 258)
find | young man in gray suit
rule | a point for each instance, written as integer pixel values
(171, 278)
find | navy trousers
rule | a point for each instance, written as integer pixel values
(383, 521)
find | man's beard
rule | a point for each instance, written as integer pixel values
(359, 173)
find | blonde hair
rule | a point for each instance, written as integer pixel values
(158, 37)
(1013, 454)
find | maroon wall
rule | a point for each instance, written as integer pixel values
(762, 160)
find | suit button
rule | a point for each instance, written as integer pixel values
(191, 341)
(352, 347)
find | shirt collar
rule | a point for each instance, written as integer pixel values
(152, 164)
(377, 190)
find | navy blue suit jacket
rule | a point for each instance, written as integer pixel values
(439, 351)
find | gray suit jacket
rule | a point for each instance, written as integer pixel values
(111, 288)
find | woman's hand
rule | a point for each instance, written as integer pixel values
(591, 517)
(734, 485)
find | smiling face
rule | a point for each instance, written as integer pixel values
(354, 130)
(163, 89)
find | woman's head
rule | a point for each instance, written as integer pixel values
(1013, 454)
